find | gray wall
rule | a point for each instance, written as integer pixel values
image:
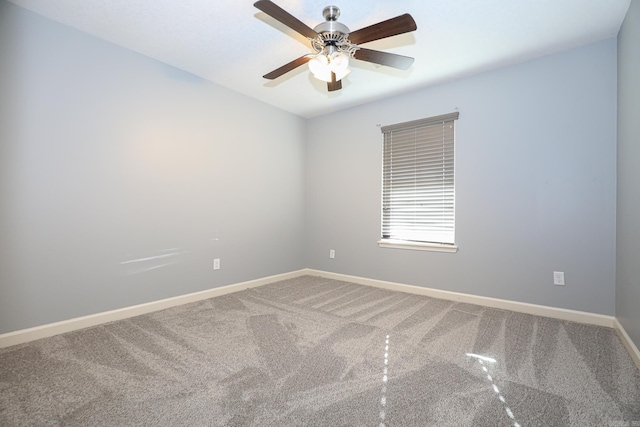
(108, 157)
(122, 178)
(535, 184)
(628, 213)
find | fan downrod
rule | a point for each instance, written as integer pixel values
(331, 13)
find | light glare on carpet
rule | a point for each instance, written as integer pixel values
(482, 360)
(383, 396)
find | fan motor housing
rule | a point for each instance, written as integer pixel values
(332, 27)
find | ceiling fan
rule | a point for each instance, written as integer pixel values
(334, 43)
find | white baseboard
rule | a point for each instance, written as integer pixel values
(626, 340)
(30, 334)
(43, 331)
(521, 307)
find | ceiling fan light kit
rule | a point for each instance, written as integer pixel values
(323, 65)
(334, 44)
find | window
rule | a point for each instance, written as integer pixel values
(418, 203)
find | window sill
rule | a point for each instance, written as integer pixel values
(417, 246)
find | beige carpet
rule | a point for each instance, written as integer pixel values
(316, 352)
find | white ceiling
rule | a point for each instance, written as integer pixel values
(233, 44)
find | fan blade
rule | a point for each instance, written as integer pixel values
(384, 58)
(279, 14)
(288, 67)
(333, 84)
(391, 27)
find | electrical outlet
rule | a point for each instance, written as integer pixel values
(332, 253)
(216, 264)
(558, 278)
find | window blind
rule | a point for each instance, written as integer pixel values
(418, 191)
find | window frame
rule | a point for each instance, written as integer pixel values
(422, 245)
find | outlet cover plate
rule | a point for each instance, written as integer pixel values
(558, 278)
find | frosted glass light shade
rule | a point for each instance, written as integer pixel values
(319, 66)
(339, 62)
